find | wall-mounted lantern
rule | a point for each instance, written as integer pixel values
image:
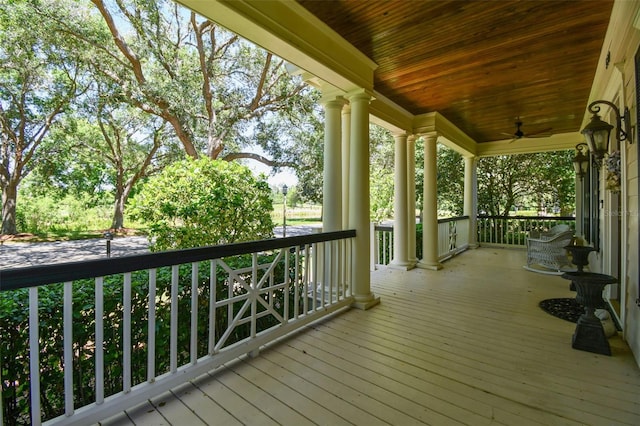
(581, 160)
(597, 133)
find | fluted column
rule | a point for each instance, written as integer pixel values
(332, 175)
(430, 210)
(346, 137)
(411, 200)
(359, 200)
(400, 219)
(471, 198)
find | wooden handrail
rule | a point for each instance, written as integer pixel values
(528, 217)
(16, 278)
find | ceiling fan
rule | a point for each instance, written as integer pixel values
(519, 134)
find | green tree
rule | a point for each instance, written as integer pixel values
(220, 94)
(69, 169)
(204, 202)
(544, 181)
(309, 172)
(130, 141)
(381, 154)
(41, 73)
(450, 181)
(449, 178)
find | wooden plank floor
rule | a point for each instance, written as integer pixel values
(464, 345)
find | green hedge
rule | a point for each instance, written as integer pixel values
(14, 332)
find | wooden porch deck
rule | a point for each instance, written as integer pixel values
(464, 345)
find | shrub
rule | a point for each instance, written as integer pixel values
(14, 331)
(202, 202)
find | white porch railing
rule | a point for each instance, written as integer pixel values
(381, 245)
(154, 321)
(453, 238)
(514, 230)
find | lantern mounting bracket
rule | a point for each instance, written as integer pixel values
(623, 119)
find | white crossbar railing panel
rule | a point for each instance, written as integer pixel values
(452, 238)
(146, 331)
(444, 236)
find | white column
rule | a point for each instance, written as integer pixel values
(471, 198)
(332, 177)
(359, 200)
(411, 200)
(430, 210)
(400, 216)
(346, 136)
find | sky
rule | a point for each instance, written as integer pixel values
(286, 175)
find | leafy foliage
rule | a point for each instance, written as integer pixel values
(449, 180)
(219, 93)
(14, 332)
(105, 91)
(40, 75)
(42, 214)
(543, 182)
(381, 152)
(204, 202)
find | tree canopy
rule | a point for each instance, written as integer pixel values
(140, 78)
(544, 182)
(40, 76)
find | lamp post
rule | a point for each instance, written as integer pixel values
(108, 236)
(285, 189)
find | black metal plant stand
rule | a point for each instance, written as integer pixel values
(580, 258)
(589, 335)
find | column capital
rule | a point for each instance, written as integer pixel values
(430, 136)
(401, 136)
(333, 101)
(360, 94)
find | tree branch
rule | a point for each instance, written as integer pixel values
(120, 42)
(263, 77)
(249, 155)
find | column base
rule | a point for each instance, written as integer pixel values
(474, 246)
(365, 302)
(435, 266)
(402, 266)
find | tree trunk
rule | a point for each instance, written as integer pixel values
(9, 198)
(122, 193)
(118, 213)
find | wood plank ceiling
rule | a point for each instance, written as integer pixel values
(481, 64)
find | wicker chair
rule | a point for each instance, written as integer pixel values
(548, 249)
